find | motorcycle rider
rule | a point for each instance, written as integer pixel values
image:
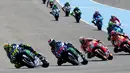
(76, 9)
(114, 37)
(96, 17)
(85, 42)
(50, 1)
(13, 55)
(53, 44)
(67, 4)
(112, 22)
(54, 8)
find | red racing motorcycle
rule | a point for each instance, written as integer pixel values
(122, 42)
(96, 49)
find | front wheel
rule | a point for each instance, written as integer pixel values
(57, 17)
(99, 25)
(27, 60)
(110, 57)
(77, 19)
(126, 47)
(67, 13)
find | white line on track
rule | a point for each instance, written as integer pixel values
(109, 6)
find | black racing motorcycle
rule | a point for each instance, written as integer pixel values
(77, 15)
(28, 59)
(55, 13)
(67, 10)
(71, 56)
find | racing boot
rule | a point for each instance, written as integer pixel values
(85, 61)
(90, 55)
(38, 55)
(17, 65)
(109, 38)
(60, 62)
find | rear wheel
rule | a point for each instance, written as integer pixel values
(73, 60)
(27, 60)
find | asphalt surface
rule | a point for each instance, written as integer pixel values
(29, 21)
(124, 4)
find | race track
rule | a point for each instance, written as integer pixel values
(29, 21)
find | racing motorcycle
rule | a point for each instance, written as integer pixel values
(55, 13)
(77, 16)
(70, 55)
(98, 52)
(123, 43)
(98, 23)
(67, 10)
(28, 59)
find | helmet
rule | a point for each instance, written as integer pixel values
(67, 2)
(52, 42)
(113, 33)
(6, 47)
(112, 16)
(76, 7)
(81, 39)
(55, 6)
(97, 12)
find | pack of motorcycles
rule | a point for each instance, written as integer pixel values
(29, 60)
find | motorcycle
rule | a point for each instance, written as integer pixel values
(28, 59)
(122, 42)
(77, 16)
(98, 23)
(68, 54)
(98, 52)
(117, 29)
(67, 10)
(55, 13)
